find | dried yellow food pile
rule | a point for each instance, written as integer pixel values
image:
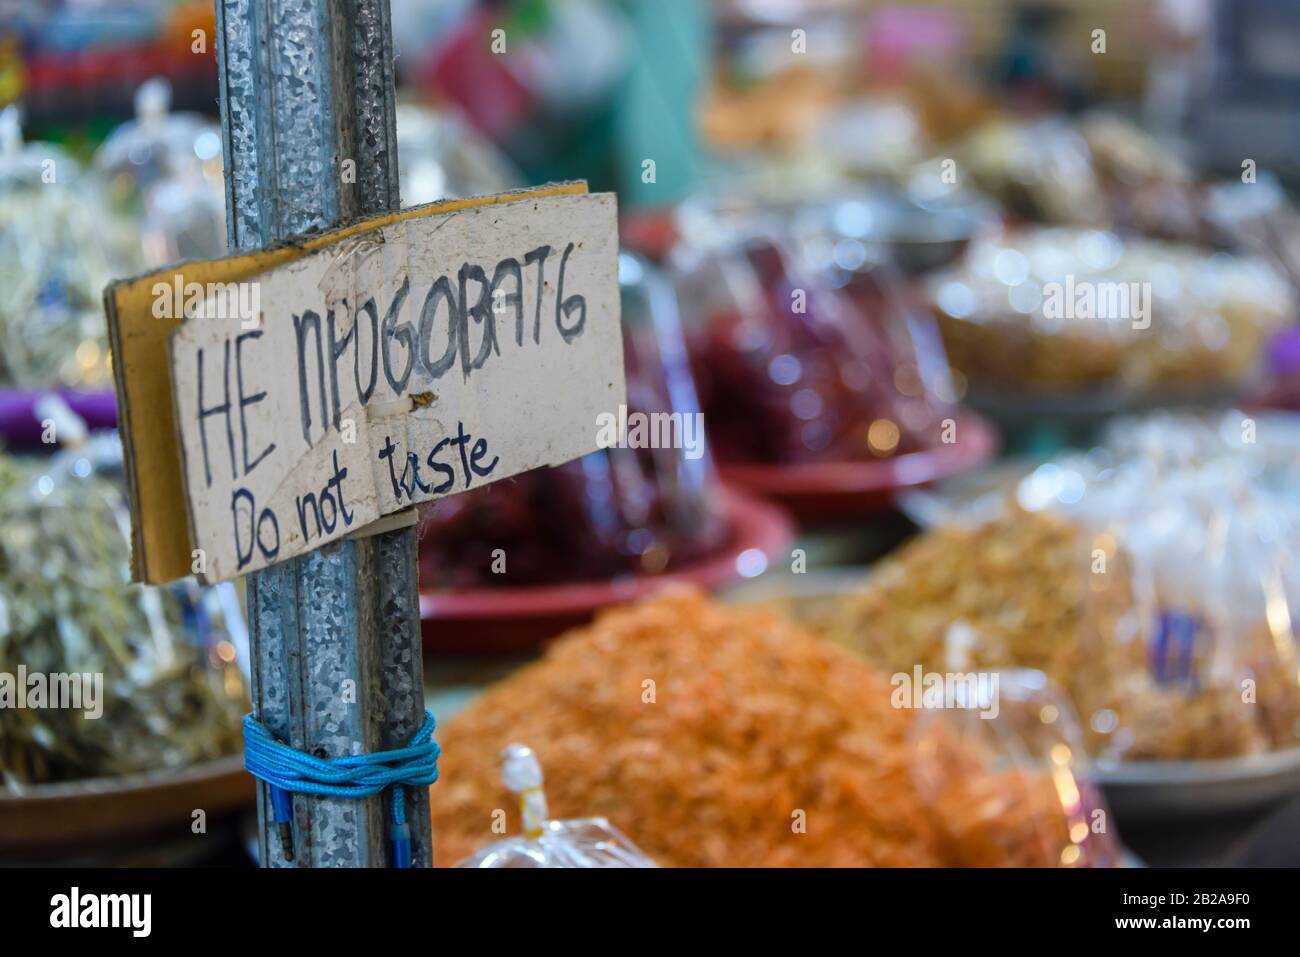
(711, 736)
(1021, 581)
(1028, 586)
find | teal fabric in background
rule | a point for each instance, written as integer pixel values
(649, 113)
(654, 116)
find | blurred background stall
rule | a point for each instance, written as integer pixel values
(964, 335)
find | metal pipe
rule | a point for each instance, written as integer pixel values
(306, 87)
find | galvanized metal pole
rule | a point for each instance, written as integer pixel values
(306, 86)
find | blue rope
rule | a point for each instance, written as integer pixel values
(287, 770)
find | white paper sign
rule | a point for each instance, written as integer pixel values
(419, 360)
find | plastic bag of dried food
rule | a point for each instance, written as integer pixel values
(585, 842)
(59, 246)
(1004, 744)
(154, 668)
(645, 505)
(1153, 579)
(1040, 170)
(1064, 311)
(164, 169)
(1101, 171)
(1211, 639)
(790, 369)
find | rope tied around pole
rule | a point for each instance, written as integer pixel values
(287, 771)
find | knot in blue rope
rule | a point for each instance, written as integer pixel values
(287, 771)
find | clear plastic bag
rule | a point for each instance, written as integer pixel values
(1008, 778)
(1070, 311)
(1040, 170)
(621, 510)
(790, 367)
(440, 156)
(170, 691)
(1208, 544)
(585, 842)
(60, 244)
(1153, 579)
(165, 170)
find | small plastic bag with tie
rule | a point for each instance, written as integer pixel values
(1001, 763)
(583, 842)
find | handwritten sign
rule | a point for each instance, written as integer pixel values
(418, 359)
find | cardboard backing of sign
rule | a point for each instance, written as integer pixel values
(339, 287)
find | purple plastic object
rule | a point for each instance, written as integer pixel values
(1284, 353)
(20, 427)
